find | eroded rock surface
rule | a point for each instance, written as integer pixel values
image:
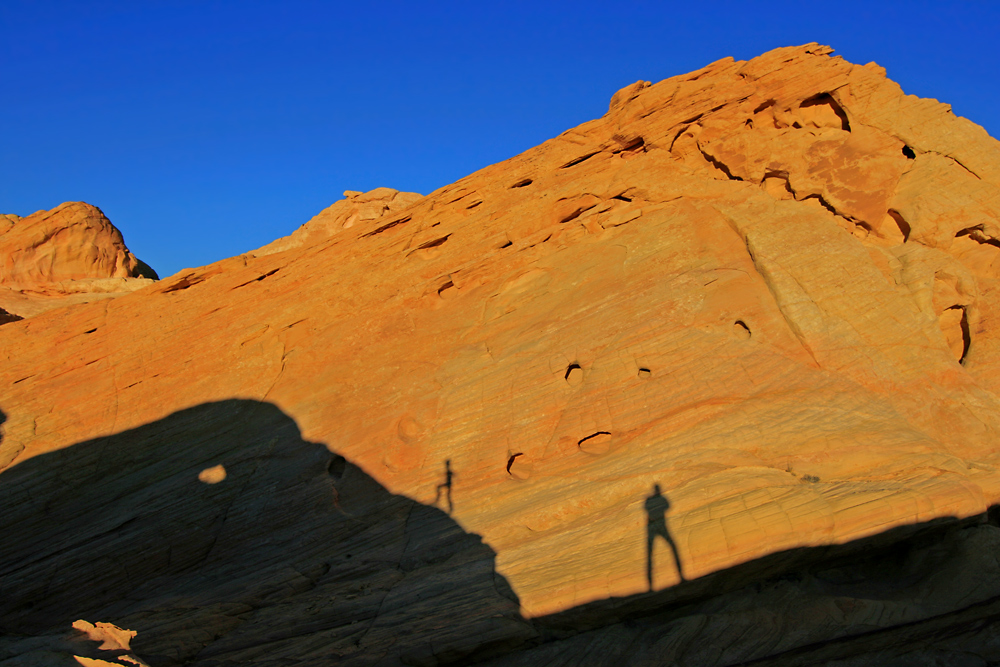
(355, 208)
(713, 377)
(71, 254)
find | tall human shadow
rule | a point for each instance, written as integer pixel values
(656, 526)
(218, 530)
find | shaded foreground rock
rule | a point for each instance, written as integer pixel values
(293, 554)
(714, 377)
(71, 254)
(294, 543)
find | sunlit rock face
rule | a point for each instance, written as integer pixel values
(66, 256)
(707, 380)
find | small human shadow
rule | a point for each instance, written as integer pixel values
(446, 486)
(656, 526)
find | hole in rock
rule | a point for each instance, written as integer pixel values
(266, 275)
(908, 152)
(677, 137)
(904, 226)
(434, 244)
(581, 206)
(523, 182)
(510, 461)
(574, 374)
(954, 323)
(507, 244)
(776, 184)
(596, 443)
(763, 106)
(635, 145)
(741, 330)
(90, 331)
(446, 290)
(621, 198)
(258, 278)
(336, 468)
(592, 436)
(578, 160)
(474, 204)
(644, 373)
(388, 225)
(823, 111)
(977, 234)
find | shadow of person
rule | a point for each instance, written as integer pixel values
(656, 526)
(218, 530)
(445, 486)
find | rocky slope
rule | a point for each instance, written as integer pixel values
(710, 380)
(69, 255)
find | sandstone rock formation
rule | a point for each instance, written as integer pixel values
(354, 208)
(71, 254)
(709, 380)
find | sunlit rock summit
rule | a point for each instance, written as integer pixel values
(709, 380)
(69, 255)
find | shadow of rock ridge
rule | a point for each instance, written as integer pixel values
(223, 537)
(294, 554)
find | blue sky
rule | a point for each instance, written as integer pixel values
(206, 129)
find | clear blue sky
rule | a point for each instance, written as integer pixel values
(205, 129)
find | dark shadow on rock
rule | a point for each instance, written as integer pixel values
(921, 594)
(221, 536)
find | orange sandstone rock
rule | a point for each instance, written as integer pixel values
(766, 289)
(71, 254)
(354, 208)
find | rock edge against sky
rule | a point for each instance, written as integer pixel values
(750, 312)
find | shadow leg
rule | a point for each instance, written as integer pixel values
(677, 557)
(649, 559)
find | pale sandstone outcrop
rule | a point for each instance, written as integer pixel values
(71, 254)
(88, 644)
(767, 288)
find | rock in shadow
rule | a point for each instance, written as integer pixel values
(221, 536)
(921, 594)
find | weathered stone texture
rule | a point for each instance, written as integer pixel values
(66, 256)
(769, 287)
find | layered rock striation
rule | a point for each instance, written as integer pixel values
(709, 380)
